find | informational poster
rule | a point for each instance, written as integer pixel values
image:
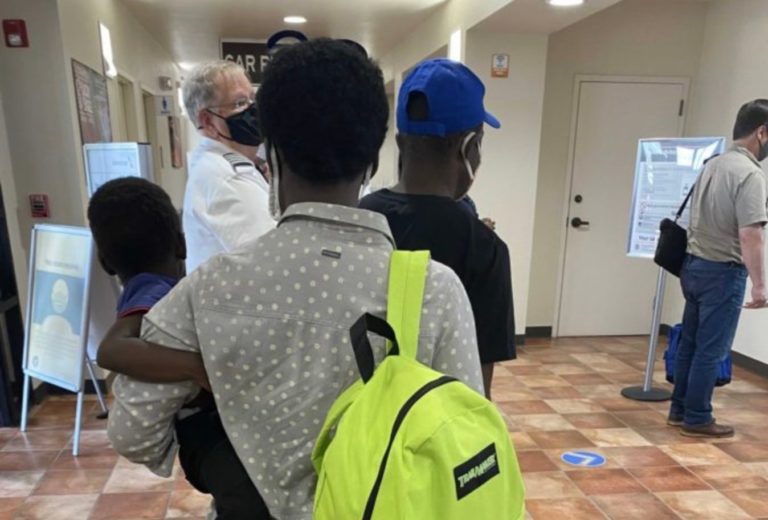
(107, 161)
(92, 104)
(665, 171)
(57, 326)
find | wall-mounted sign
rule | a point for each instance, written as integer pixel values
(164, 105)
(252, 56)
(38, 205)
(500, 66)
(92, 104)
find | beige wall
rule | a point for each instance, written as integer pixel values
(434, 33)
(138, 57)
(37, 117)
(33, 82)
(506, 182)
(732, 73)
(634, 37)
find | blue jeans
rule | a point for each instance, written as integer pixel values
(714, 296)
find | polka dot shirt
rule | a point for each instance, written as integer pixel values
(272, 324)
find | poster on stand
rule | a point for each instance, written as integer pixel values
(57, 326)
(665, 171)
(108, 161)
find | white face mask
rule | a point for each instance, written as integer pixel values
(470, 171)
(274, 194)
(364, 187)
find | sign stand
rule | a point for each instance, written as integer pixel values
(102, 402)
(78, 408)
(647, 392)
(78, 414)
(58, 316)
(665, 171)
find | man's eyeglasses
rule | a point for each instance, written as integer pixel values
(237, 106)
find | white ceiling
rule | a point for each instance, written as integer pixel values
(539, 17)
(192, 29)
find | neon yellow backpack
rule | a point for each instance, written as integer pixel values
(406, 442)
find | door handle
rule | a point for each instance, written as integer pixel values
(577, 222)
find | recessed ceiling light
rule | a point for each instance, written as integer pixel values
(565, 3)
(295, 19)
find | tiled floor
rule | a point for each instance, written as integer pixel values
(565, 394)
(558, 396)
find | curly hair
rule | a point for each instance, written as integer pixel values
(323, 105)
(134, 225)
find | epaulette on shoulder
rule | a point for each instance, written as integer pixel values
(239, 162)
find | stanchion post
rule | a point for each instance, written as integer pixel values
(647, 392)
(25, 402)
(78, 424)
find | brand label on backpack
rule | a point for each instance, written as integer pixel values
(475, 472)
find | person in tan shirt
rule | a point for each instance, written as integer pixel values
(725, 246)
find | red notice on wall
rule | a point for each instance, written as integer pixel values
(15, 32)
(39, 207)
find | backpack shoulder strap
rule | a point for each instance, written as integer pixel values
(338, 408)
(407, 279)
(405, 296)
(690, 192)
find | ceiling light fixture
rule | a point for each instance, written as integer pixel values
(295, 19)
(106, 51)
(565, 3)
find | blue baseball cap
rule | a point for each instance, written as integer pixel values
(454, 97)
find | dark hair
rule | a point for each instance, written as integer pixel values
(751, 116)
(323, 106)
(134, 225)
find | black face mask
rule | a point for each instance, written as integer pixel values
(243, 127)
(763, 153)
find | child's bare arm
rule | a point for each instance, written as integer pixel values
(123, 351)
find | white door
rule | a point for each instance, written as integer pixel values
(604, 292)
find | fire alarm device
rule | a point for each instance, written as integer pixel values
(15, 32)
(39, 207)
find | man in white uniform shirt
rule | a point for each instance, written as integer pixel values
(226, 203)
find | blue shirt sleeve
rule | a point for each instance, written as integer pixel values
(142, 292)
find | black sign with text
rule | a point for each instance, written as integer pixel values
(252, 56)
